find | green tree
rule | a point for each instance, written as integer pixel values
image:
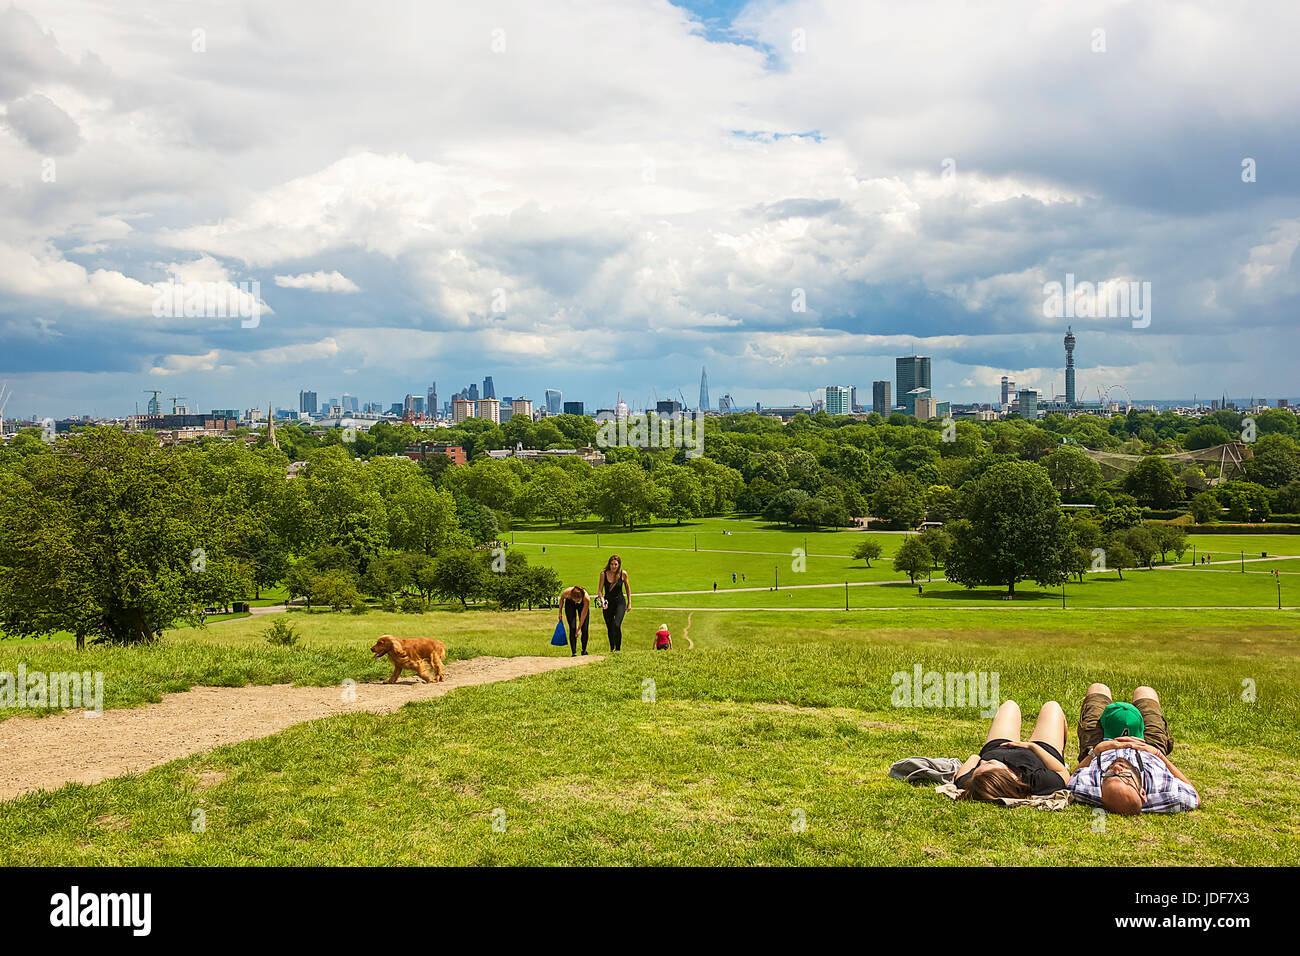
(460, 575)
(106, 534)
(1012, 529)
(1154, 483)
(913, 558)
(1205, 508)
(867, 550)
(899, 502)
(1072, 472)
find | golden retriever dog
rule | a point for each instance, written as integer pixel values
(413, 654)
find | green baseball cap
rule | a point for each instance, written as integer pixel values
(1122, 720)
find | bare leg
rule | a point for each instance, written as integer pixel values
(1006, 723)
(1145, 692)
(1101, 689)
(1050, 726)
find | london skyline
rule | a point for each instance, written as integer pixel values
(798, 201)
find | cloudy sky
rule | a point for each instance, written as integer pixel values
(605, 195)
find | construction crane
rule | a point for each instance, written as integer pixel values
(153, 407)
(174, 399)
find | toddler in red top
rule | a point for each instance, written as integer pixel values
(663, 640)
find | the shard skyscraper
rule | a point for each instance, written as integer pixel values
(704, 390)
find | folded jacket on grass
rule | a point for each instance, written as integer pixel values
(918, 770)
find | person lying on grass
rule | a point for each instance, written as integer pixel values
(1124, 764)
(1009, 767)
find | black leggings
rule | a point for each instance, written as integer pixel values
(571, 613)
(614, 611)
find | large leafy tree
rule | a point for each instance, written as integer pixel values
(1012, 529)
(108, 533)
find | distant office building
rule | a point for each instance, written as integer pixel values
(943, 410)
(725, 404)
(489, 389)
(911, 372)
(408, 406)
(1008, 392)
(522, 407)
(704, 390)
(419, 404)
(461, 409)
(307, 402)
(489, 409)
(574, 408)
(668, 406)
(432, 403)
(332, 402)
(838, 400)
(226, 413)
(853, 399)
(350, 403)
(925, 407)
(909, 399)
(393, 409)
(554, 401)
(1027, 399)
(881, 403)
(1283, 403)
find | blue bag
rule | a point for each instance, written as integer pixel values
(559, 639)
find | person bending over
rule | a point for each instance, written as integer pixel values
(575, 607)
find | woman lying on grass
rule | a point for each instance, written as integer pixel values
(1009, 767)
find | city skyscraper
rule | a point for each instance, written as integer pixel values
(704, 390)
(472, 393)
(554, 401)
(1069, 365)
(1008, 392)
(725, 404)
(911, 372)
(837, 400)
(432, 404)
(853, 398)
(880, 400)
(489, 389)
(307, 402)
(1028, 399)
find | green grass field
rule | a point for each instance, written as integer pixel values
(772, 718)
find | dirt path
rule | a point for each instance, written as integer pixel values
(44, 753)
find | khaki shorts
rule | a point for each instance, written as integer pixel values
(1156, 731)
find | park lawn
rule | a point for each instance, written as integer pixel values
(764, 724)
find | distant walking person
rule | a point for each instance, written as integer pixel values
(575, 607)
(616, 599)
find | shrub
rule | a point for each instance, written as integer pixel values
(281, 633)
(412, 604)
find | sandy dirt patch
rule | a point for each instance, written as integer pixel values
(45, 753)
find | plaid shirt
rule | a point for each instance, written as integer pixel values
(1165, 792)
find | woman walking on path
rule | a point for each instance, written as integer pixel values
(616, 599)
(575, 607)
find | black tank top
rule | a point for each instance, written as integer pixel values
(611, 592)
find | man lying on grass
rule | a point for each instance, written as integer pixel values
(1124, 764)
